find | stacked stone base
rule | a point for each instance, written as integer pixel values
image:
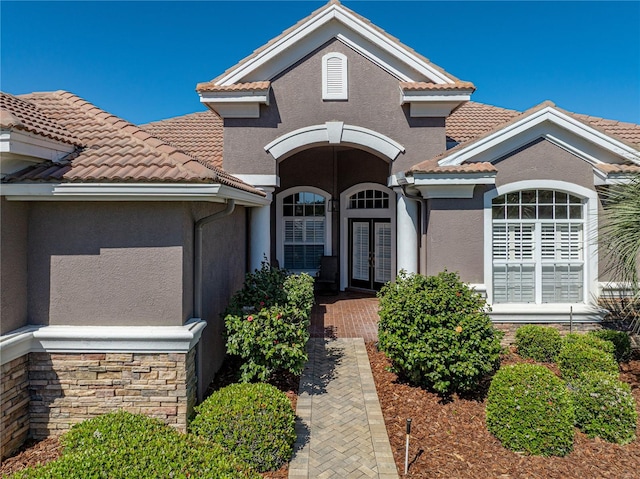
(46, 393)
(509, 329)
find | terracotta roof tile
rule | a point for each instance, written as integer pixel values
(427, 86)
(18, 114)
(473, 119)
(431, 166)
(623, 169)
(115, 150)
(251, 86)
(629, 132)
(198, 134)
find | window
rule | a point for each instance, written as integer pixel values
(369, 199)
(303, 216)
(334, 77)
(538, 247)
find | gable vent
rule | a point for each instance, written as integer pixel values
(334, 77)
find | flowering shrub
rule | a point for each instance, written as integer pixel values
(620, 340)
(529, 409)
(133, 446)
(577, 357)
(436, 332)
(267, 323)
(539, 343)
(255, 421)
(604, 407)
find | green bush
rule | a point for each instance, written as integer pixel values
(255, 421)
(267, 323)
(436, 332)
(128, 446)
(577, 357)
(529, 409)
(539, 343)
(620, 340)
(591, 341)
(604, 407)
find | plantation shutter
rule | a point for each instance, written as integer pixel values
(334, 77)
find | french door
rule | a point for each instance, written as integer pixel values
(369, 253)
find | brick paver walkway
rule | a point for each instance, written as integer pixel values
(341, 431)
(346, 315)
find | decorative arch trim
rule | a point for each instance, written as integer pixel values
(334, 133)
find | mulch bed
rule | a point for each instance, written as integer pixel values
(450, 440)
(33, 453)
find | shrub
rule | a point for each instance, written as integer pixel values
(267, 323)
(577, 357)
(529, 409)
(591, 341)
(255, 421)
(538, 342)
(436, 332)
(129, 446)
(620, 340)
(604, 407)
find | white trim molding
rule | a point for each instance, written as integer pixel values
(260, 181)
(451, 185)
(426, 103)
(334, 21)
(236, 104)
(585, 311)
(94, 339)
(210, 192)
(334, 133)
(553, 125)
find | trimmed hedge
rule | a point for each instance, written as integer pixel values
(539, 343)
(529, 410)
(437, 333)
(620, 340)
(267, 323)
(591, 341)
(127, 446)
(255, 421)
(577, 357)
(604, 407)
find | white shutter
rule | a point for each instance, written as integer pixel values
(334, 77)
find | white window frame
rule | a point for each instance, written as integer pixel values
(343, 93)
(590, 255)
(280, 223)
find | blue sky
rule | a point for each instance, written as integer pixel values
(142, 60)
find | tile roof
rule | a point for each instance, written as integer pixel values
(475, 167)
(473, 119)
(483, 120)
(316, 13)
(18, 114)
(620, 169)
(251, 86)
(198, 134)
(115, 150)
(427, 86)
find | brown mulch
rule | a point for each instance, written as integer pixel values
(450, 440)
(33, 453)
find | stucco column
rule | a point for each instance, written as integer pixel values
(260, 234)
(406, 233)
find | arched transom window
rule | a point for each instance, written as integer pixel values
(538, 247)
(303, 216)
(369, 199)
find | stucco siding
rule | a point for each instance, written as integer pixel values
(542, 160)
(97, 263)
(296, 102)
(455, 236)
(13, 267)
(223, 270)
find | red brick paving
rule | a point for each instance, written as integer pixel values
(346, 315)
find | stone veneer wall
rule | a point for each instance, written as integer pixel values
(510, 329)
(66, 388)
(14, 405)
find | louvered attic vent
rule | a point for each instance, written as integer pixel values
(334, 77)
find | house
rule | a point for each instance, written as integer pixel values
(120, 243)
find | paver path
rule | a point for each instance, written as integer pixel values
(341, 431)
